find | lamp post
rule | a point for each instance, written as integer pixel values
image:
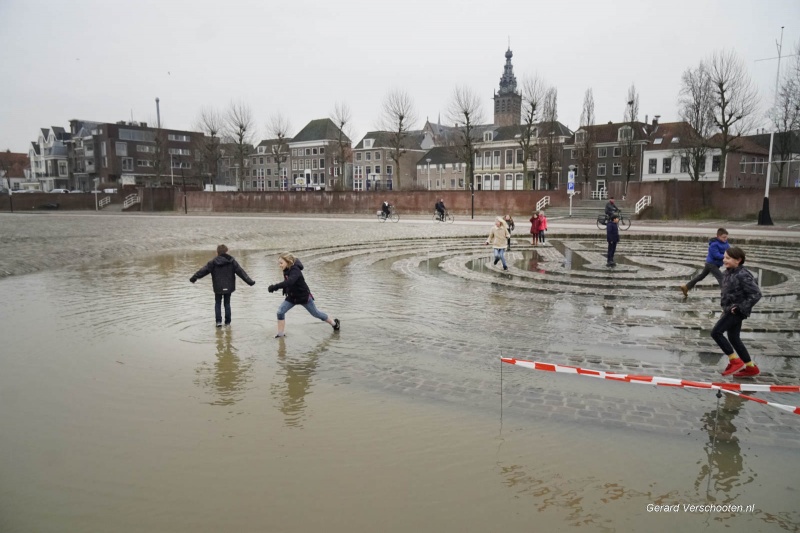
(429, 172)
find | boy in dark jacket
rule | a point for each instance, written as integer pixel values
(612, 236)
(739, 294)
(716, 250)
(223, 270)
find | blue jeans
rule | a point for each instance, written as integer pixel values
(309, 305)
(500, 255)
(218, 298)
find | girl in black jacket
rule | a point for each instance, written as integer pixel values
(739, 294)
(297, 293)
(223, 270)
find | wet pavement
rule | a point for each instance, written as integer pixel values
(104, 304)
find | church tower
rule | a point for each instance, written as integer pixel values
(507, 101)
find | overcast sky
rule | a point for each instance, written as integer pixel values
(104, 60)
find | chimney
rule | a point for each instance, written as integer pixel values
(645, 119)
(655, 119)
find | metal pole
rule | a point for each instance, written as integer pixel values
(764, 218)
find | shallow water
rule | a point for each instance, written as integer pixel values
(129, 411)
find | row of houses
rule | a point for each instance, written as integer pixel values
(321, 157)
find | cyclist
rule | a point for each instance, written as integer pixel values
(440, 209)
(386, 209)
(611, 209)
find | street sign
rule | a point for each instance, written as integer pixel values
(571, 186)
(571, 176)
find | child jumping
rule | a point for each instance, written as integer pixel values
(297, 293)
(739, 294)
(716, 250)
(223, 270)
(498, 238)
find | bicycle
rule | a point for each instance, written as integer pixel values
(624, 223)
(447, 217)
(394, 217)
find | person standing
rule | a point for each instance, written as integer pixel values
(223, 270)
(510, 223)
(296, 290)
(716, 251)
(498, 238)
(542, 227)
(612, 236)
(738, 295)
(534, 220)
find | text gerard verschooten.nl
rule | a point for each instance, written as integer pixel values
(704, 508)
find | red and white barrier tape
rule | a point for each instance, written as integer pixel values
(734, 388)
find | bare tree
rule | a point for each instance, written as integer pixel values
(342, 119)
(694, 108)
(533, 91)
(734, 101)
(208, 151)
(398, 117)
(466, 113)
(627, 142)
(549, 147)
(586, 154)
(279, 129)
(785, 114)
(240, 126)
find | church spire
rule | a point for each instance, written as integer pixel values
(508, 82)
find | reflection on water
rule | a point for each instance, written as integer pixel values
(296, 371)
(228, 376)
(724, 472)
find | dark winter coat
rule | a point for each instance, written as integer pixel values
(716, 250)
(611, 208)
(223, 270)
(294, 284)
(739, 289)
(612, 232)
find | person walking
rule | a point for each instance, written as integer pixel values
(534, 220)
(223, 270)
(510, 223)
(498, 238)
(296, 290)
(542, 227)
(739, 293)
(716, 251)
(612, 236)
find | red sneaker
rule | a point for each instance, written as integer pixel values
(747, 372)
(734, 365)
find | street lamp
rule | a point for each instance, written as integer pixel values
(429, 172)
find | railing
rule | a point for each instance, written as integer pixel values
(642, 203)
(130, 200)
(104, 202)
(600, 195)
(543, 202)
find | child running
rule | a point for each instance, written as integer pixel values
(498, 238)
(716, 249)
(223, 270)
(739, 294)
(297, 293)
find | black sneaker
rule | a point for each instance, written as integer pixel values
(279, 335)
(336, 324)
(219, 324)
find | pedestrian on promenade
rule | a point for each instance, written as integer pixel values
(612, 236)
(739, 294)
(534, 220)
(510, 223)
(542, 227)
(223, 270)
(716, 250)
(297, 293)
(498, 238)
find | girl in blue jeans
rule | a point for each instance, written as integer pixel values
(297, 293)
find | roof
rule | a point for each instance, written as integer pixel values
(319, 130)
(383, 139)
(608, 133)
(673, 136)
(14, 164)
(739, 144)
(792, 138)
(440, 155)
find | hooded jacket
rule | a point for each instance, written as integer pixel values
(498, 237)
(716, 250)
(739, 289)
(294, 284)
(223, 270)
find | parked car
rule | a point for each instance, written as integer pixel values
(60, 190)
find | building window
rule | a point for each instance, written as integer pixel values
(321, 150)
(377, 156)
(313, 151)
(358, 156)
(684, 164)
(652, 165)
(143, 148)
(121, 149)
(496, 161)
(377, 169)
(509, 182)
(127, 163)
(478, 160)
(573, 154)
(602, 152)
(625, 133)
(666, 165)
(368, 143)
(388, 170)
(314, 164)
(62, 168)
(743, 164)
(487, 136)
(144, 163)
(509, 157)
(520, 159)
(580, 137)
(601, 169)
(617, 151)
(715, 163)
(180, 151)
(322, 162)
(368, 156)
(616, 169)
(179, 138)
(308, 151)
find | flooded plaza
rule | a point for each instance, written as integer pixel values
(124, 409)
